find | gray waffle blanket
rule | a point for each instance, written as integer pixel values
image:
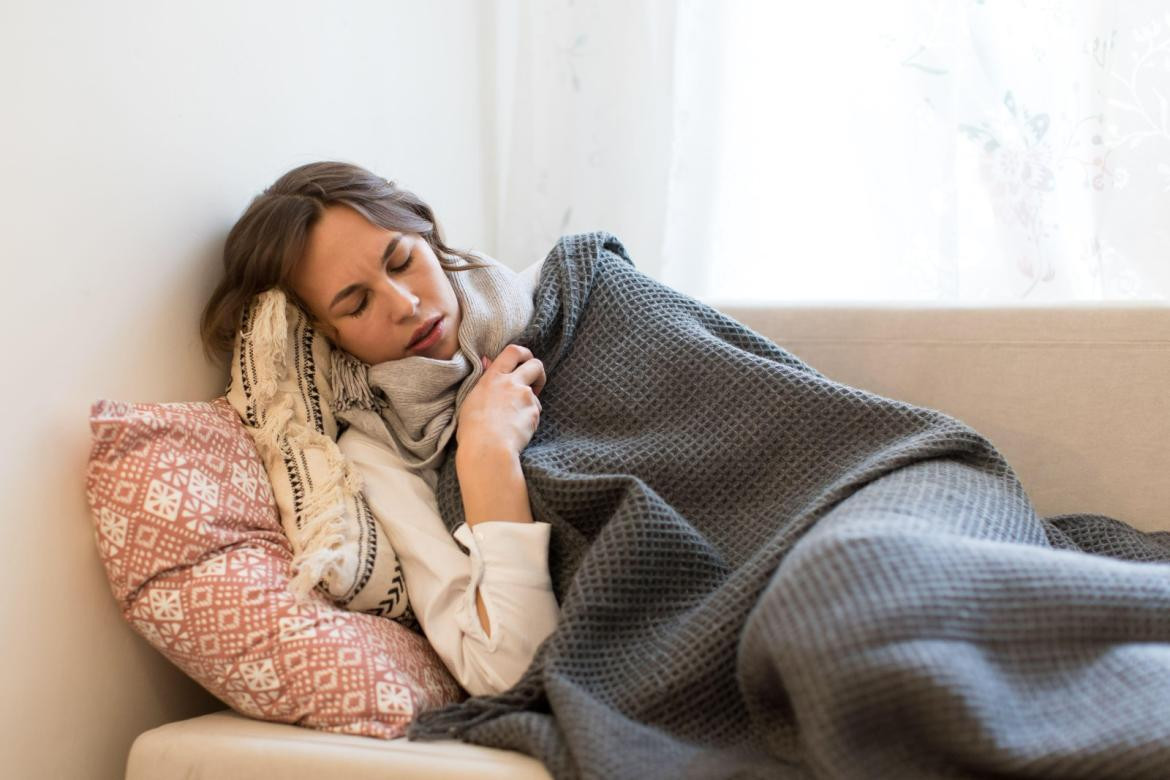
(765, 573)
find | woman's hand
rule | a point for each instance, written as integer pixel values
(502, 410)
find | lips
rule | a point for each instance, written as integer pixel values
(423, 331)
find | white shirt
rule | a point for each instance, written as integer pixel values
(508, 563)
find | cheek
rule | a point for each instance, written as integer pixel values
(353, 332)
(447, 291)
(365, 337)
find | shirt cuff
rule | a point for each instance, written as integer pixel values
(502, 554)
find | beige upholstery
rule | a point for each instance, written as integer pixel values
(1074, 396)
(227, 746)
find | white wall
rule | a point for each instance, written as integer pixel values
(132, 134)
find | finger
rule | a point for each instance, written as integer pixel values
(531, 373)
(512, 356)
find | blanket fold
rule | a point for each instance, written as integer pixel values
(766, 573)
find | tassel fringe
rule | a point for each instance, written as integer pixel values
(319, 543)
(455, 720)
(349, 380)
(270, 335)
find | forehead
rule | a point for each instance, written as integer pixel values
(341, 243)
(341, 232)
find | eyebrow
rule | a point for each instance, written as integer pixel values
(350, 289)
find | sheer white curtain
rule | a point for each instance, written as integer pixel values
(582, 134)
(755, 150)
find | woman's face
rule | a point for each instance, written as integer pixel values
(370, 289)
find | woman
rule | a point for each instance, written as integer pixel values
(761, 572)
(366, 261)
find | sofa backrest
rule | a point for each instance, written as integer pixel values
(1075, 396)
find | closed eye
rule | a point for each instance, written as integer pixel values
(361, 306)
(366, 296)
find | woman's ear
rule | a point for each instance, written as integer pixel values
(324, 328)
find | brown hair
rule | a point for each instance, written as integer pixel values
(266, 243)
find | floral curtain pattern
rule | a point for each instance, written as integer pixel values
(966, 150)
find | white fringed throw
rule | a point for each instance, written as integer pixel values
(281, 392)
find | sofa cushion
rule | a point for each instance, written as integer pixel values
(187, 527)
(224, 744)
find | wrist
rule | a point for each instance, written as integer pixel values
(480, 455)
(492, 486)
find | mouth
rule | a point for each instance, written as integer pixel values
(426, 334)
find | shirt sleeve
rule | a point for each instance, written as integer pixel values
(506, 561)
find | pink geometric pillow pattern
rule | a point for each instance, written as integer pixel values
(187, 528)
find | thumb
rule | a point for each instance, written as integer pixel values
(485, 361)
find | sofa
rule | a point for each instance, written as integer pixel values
(1073, 395)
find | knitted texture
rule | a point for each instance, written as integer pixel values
(766, 573)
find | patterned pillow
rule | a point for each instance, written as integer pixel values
(280, 391)
(187, 527)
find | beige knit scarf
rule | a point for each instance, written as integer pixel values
(411, 404)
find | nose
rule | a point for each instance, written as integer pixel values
(403, 302)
